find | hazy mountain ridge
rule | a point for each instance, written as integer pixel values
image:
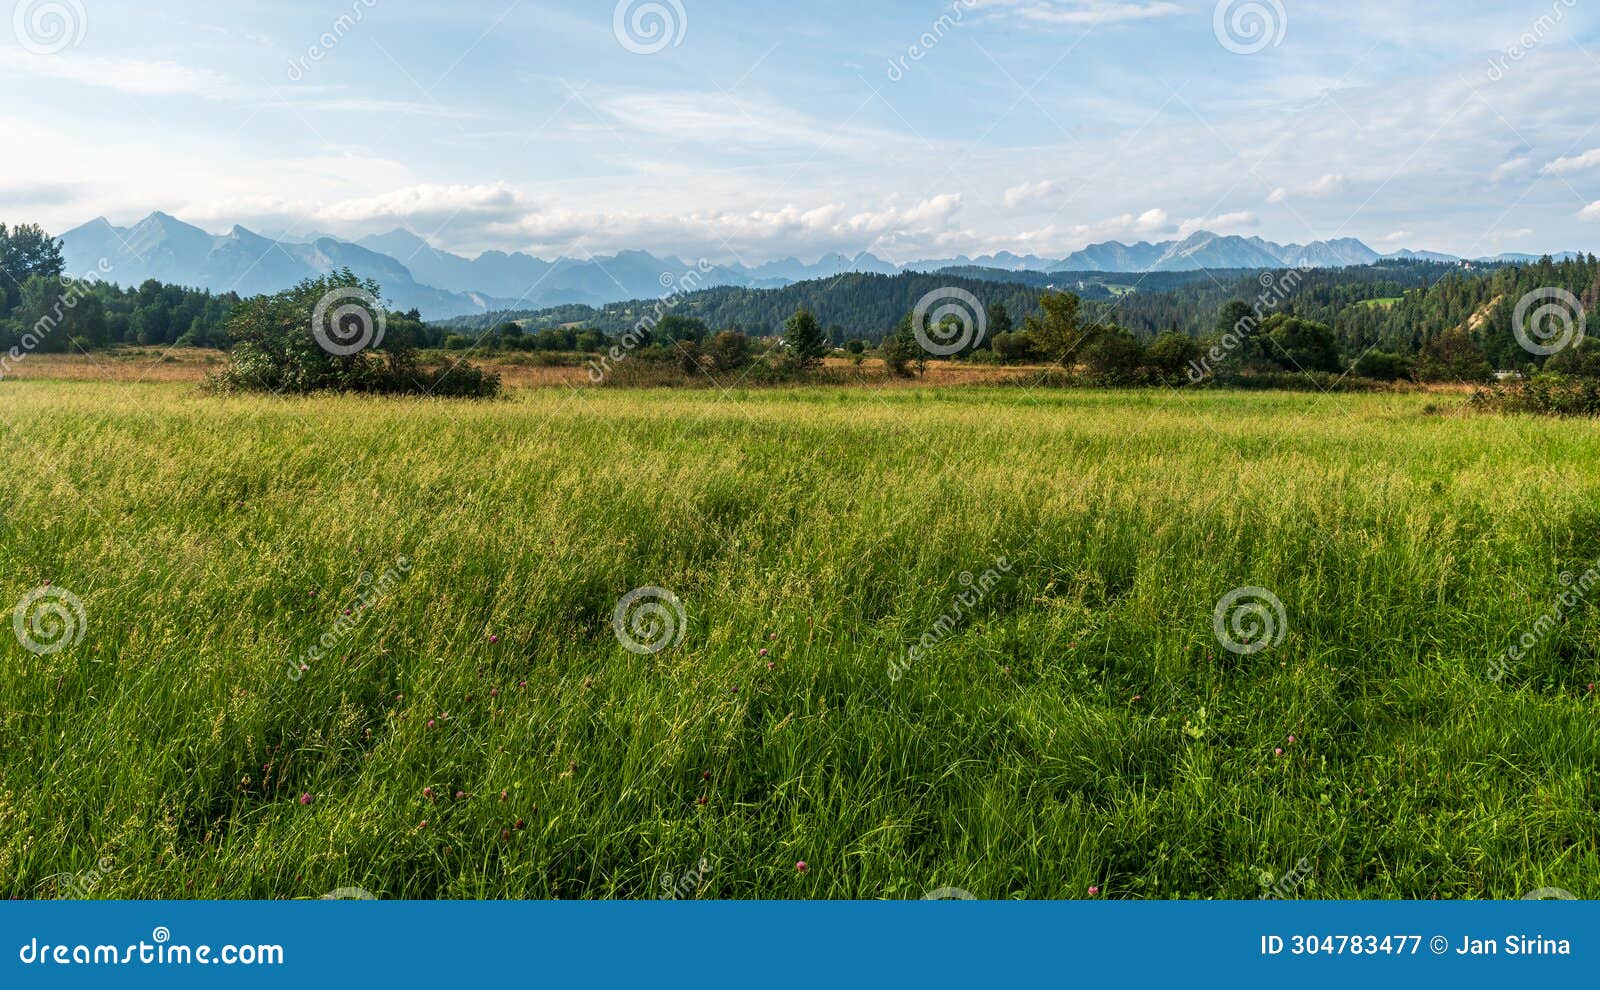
(442, 285)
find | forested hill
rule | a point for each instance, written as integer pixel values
(853, 305)
(867, 306)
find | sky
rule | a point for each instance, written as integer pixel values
(750, 130)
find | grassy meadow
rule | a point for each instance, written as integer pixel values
(1070, 720)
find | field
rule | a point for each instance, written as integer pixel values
(1070, 718)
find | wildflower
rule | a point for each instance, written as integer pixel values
(700, 800)
(430, 723)
(773, 637)
(305, 799)
(460, 795)
(763, 652)
(422, 825)
(502, 796)
(1278, 751)
(494, 639)
(1291, 740)
(427, 792)
(770, 665)
(705, 775)
(494, 692)
(1094, 891)
(801, 866)
(520, 825)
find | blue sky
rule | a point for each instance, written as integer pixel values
(763, 130)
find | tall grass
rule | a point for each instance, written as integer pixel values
(1077, 725)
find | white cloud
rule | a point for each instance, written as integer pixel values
(142, 77)
(1511, 169)
(494, 202)
(1590, 213)
(1328, 185)
(1324, 187)
(1085, 12)
(1396, 237)
(1223, 223)
(1031, 192)
(726, 122)
(1577, 163)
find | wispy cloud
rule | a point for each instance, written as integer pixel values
(144, 77)
(1080, 12)
(1576, 163)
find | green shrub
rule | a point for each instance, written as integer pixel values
(280, 347)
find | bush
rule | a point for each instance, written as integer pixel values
(1545, 395)
(1453, 356)
(1169, 357)
(1581, 360)
(359, 348)
(728, 351)
(1383, 367)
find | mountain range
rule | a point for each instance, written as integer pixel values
(440, 285)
